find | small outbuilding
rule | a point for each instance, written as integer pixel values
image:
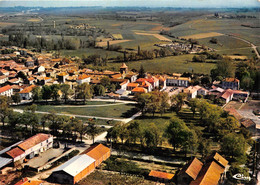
(160, 176)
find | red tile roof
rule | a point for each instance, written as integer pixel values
(192, 168)
(27, 89)
(209, 175)
(248, 123)
(132, 84)
(84, 76)
(228, 93)
(139, 90)
(96, 151)
(26, 181)
(5, 88)
(34, 140)
(161, 175)
(15, 152)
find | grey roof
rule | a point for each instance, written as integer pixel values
(76, 164)
(4, 161)
(9, 148)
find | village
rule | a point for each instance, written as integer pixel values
(23, 71)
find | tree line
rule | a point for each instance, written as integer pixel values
(21, 125)
(218, 127)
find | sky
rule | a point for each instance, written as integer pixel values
(144, 3)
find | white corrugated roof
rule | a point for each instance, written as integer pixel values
(4, 161)
(75, 165)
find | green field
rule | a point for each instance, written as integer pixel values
(169, 65)
(114, 111)
(89, 51)
(224, 26)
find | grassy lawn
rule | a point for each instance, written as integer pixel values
(168, 65)
(115, 111)
(163, 121)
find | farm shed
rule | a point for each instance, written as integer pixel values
(98, 152)
(73, 170)
(161, 176)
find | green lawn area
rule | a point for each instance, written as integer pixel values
(115, 111)
(168, 65)
(163, 121)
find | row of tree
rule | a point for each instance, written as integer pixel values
(31, 123)
(63, 91)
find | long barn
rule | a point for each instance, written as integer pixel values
(73, 170)
(80, 166)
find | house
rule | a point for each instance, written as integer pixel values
(202, 91)
(139, 90)
(26, 93)
(39, 69)
(6, 91)
(240, 95)
(143, 82)
(190, 171)
(98, 152)
(29, 63)
(226, 95)
(230, 83)
(153, 80)
(209, 173)
(162, 81)
(3, 79)
(131, 76)
(30, 147)
(43, 80)
(160, 176)
(83, 79)
(4, 72)
(29, 80)
(215, 91)
(131, 86)
(16, 88)
(73, 170)
(123, 85)
(62, 77)
(192, 91)
(178, 81)
(14, 81)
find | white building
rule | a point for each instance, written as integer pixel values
(3, 79)
(83, 79)
(178, 81)
(26, 93)
(6, 90)
(30, 147)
